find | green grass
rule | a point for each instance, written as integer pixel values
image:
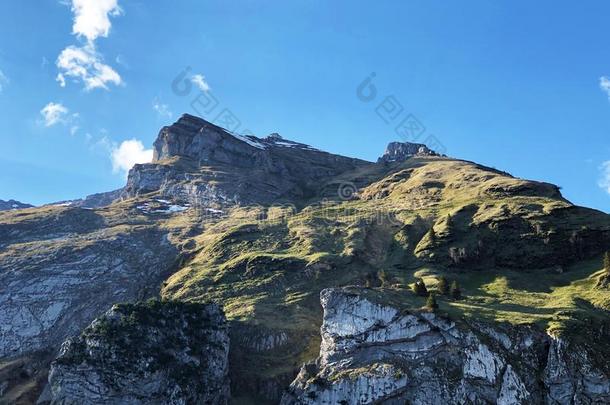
(543, 296)
(269, 272)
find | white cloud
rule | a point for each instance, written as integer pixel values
(54, 113)
(91, 17)
(604, 84)
(3, 81)
(127, 154)
(162, 109)
(604, 181)
(57, 113)
(84, 63)
(199, 81)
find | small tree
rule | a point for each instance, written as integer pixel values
(419, 288)
(607, 262)
(371, 279)
(456, 292)
(443, 286)
(384, 277)
(431, 302)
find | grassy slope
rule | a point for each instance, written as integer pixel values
(266, 265)
(270, 272)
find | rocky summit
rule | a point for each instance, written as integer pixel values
(258, 270)
(400, 151)
(13, 205)
(199, 162)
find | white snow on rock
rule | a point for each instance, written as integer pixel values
(252, 141)
(164, 208)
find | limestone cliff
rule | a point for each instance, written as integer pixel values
(148, 353)
(400, 151)
(198, 161)
(373, 353)
(61, 269)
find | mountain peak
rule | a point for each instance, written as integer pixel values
(400, 151)
(13, 205)
(223, 166)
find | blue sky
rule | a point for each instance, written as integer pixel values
(510, 84)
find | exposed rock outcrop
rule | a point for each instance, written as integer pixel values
(147, 353)
(400, 151)
(97, 200)
(202, 163)
(60, 271)
(13, 205)
(375, 353)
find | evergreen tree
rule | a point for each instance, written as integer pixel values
(420, 288)
(443, 286)
(456, 292)
(607, 262)
(384, 278)
(431, 302)
(371, 279)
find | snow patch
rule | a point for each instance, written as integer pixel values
(214, 211)
(164, 208)
(252, 141)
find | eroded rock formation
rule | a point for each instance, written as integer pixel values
(148, 353)
(373, 353)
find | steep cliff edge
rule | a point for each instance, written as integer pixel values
(401, 151)
(200, 162)
(374, 353)
(148, 353)
(61, 267)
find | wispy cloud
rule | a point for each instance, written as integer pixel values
(84, 63)
(57, 113)
(127, 154)
(604, 85)
(3, 81)
(54, 113)
(604, 180)
(199, 81)
(162, 110)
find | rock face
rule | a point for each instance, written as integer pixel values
(197, 161)
(374, 353)
(400, 151)
(97, 200)
(59, 271)
(13, 205)
(63, 266)
(147, 353)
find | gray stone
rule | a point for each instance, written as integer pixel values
(372, 353)
(147, 353)
(401, 151)
(13, 205)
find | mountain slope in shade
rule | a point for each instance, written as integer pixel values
(262, 225)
